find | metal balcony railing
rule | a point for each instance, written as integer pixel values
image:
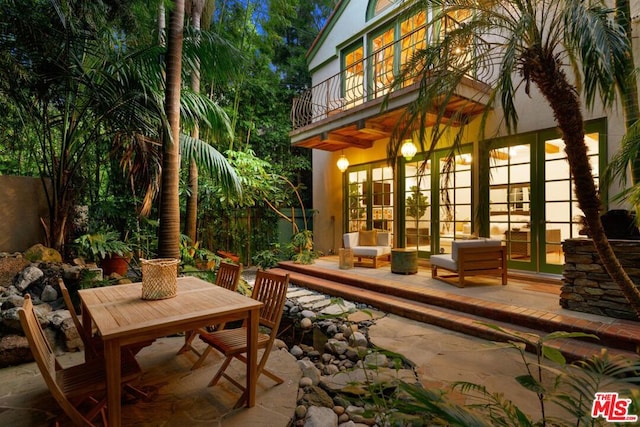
(366, 80)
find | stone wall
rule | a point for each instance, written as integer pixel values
(588, 288)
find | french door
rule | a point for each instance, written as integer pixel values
(532, 206)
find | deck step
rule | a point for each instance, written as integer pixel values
(468, 315)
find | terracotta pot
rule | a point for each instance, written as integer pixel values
(115, 264)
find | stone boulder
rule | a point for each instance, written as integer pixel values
(41, 253)
(14, 350)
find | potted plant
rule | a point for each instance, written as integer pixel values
(107, 249)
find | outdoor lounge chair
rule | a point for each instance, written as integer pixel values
(271, 290)
(228, 277)
(486, 257)
(75, 386)
(372, 245)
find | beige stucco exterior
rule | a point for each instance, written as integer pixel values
(22, 206)
(349, 26)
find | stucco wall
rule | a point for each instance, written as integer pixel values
(22, 204)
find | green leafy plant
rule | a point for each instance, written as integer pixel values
(97, 246)
(268, 258)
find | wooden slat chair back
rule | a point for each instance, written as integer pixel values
(92, 346)
(228, 277)
(72, 386)
(271, 290)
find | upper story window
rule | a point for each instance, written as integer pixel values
(353, 75)
(377, 6)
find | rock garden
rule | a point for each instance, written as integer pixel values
(341, 371)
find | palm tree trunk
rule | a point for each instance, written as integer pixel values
(548, 76)
(169, 236)
(191, 214)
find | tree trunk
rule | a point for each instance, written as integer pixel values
(547, 74)
(169, 236)
(191, 215)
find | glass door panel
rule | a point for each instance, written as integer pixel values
(454, 201)
(370, 198)
(417, 201)
(561, 214)
(357, 200)
(510, 202)
(382, 198)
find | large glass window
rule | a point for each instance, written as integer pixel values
(383, 62)
(353, 76)
(413, 37)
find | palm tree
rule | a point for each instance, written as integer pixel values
(535, 40)
(169, 234)
(190, 221)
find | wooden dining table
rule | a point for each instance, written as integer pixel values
(122, 317)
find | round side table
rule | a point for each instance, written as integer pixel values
(404, 261)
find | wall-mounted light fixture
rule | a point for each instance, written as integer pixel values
(408, 149)
(343, 163)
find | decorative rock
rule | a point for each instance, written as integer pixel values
(27, 277)
(320, 417)
(296, 351)
(39, 252)
(309, 370)
(301, 411)
(306, 323)
(308, 314)
(315, 396)
(345, 421)
(331, 370)
(305, 382)
(49, 294)
(357, 339)
(14, 350)
(339, 410)
(336, 347)
(375, 360)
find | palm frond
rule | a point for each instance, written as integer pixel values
(212, 161)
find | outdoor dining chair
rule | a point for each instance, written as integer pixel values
(228, 277)
(76, 386)
(271, 290)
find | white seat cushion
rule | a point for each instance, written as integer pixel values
(371, 251)
(444, 261)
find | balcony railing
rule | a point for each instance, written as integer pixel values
(367, 79)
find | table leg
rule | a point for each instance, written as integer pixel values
(112, 372)
(252, 356)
